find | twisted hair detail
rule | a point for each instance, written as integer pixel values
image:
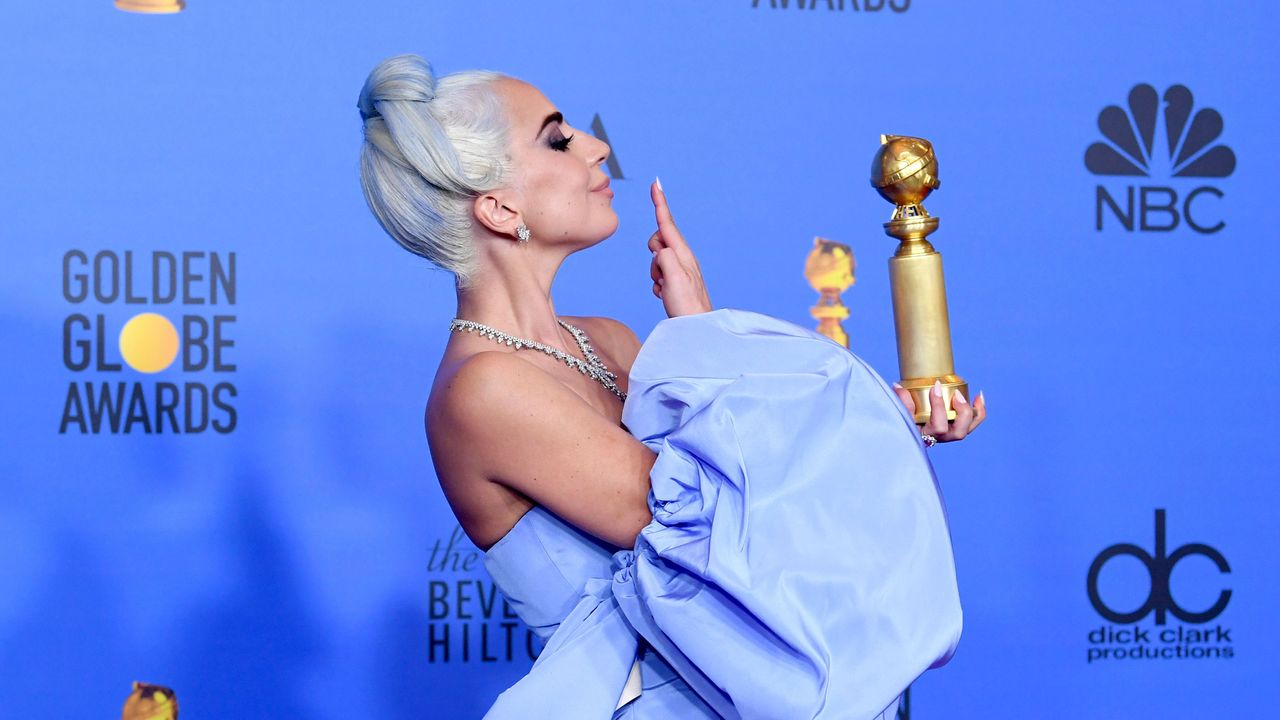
(365, 115)
(431, 147)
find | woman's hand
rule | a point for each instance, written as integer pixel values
(968, 416)
(677, 279)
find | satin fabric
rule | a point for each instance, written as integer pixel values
(555, 576)
(798, 564)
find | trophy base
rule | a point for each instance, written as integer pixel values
(920, 387)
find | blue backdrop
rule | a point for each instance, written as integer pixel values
(260, 527)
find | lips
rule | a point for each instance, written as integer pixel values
(602, 186)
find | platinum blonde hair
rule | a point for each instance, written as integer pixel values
(430, 148)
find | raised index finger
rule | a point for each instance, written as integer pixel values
(666, 223)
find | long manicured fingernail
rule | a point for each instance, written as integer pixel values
(658, 181)
(982, 398)
(896, 386)
(937, 388)
(959, 397)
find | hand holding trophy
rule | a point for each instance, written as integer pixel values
(904, 171)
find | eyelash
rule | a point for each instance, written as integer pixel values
(562, 145)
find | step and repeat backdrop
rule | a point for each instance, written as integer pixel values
(215, 476)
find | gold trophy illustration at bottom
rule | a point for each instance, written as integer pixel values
(904, 172)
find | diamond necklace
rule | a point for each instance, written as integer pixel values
(594, 367)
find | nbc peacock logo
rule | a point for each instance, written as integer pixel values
(1160, 136)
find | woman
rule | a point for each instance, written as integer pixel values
(550, 468)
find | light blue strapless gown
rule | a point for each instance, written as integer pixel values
(799, 561)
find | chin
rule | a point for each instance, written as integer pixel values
(609, 228)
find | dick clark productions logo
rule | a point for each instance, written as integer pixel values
(135, 315)
(1158, 641)
(1133, 148)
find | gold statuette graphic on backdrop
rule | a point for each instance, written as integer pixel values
(150, 702)
(904, 172)
(829, 269)
(151, 6)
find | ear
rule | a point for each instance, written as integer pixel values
(496, 213)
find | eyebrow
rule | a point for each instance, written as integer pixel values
(553, 117)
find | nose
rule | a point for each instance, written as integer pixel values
(600, 152)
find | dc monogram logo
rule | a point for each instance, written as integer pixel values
(1131, 147)
(1159, 567)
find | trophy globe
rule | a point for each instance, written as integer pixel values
(904, 171)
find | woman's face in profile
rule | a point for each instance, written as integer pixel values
(563, 191)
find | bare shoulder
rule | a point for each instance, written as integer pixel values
(506, 434)
(617, 340)
(461, 394)
(489, 394)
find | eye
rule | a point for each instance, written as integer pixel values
(562, 144)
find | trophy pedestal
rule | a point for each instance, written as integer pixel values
(920, 387)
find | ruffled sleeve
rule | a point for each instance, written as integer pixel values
(799, 562)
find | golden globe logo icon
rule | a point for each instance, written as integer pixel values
(105, 342)
(149, 342)
(1132, 147)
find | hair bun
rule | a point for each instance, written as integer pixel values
(403, 78)
(422, 165)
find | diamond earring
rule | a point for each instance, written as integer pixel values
(522, 232)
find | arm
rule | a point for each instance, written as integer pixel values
(530, 433)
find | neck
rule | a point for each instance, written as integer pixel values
(511, 292)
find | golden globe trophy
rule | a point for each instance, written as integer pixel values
(829, 269)
(904, 172)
